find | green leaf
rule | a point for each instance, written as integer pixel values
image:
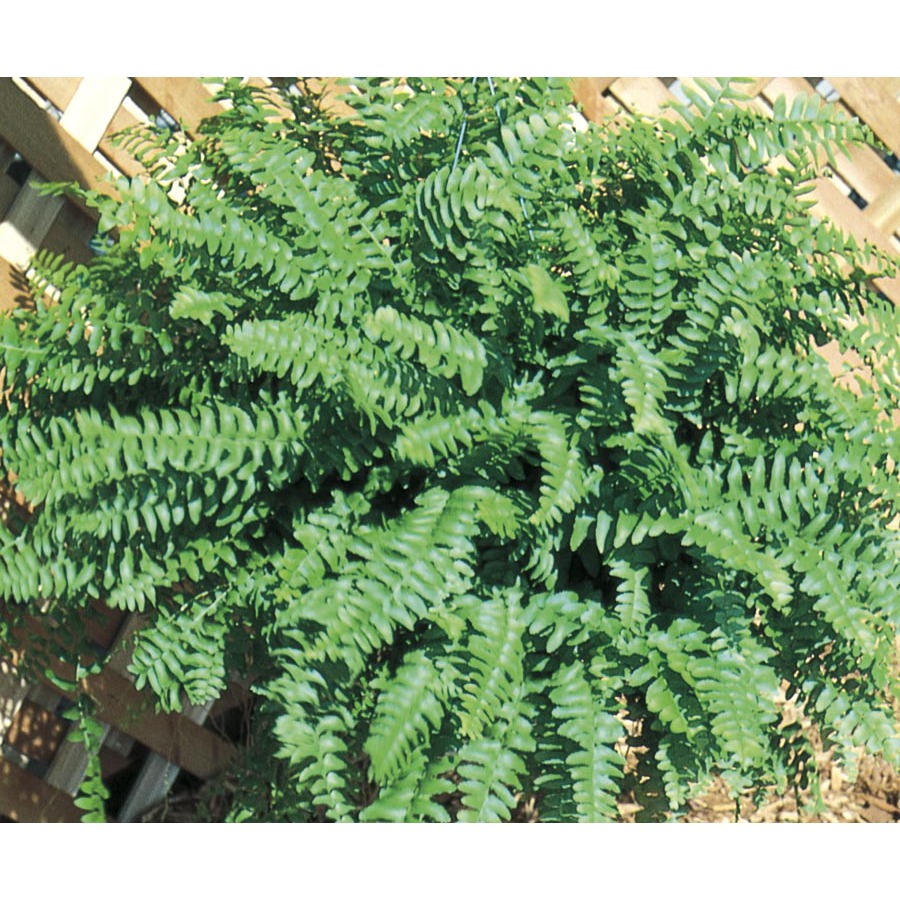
(546, 294)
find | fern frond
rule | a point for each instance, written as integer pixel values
(406, 712)
(410, 797)
(495, 656)
(596, 767)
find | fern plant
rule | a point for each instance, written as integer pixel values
(477, 441)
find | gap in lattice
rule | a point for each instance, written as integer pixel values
(860, 201)
(677, 89)
(828, 90)
(18, 169)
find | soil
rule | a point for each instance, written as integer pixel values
(873, 797)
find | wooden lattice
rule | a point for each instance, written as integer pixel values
(60, 129)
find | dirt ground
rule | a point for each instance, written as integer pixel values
(873, 797)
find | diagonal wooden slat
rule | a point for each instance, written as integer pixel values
(875, 101)
(863, 169)
(45, 144)
(173, 736)
(589, 94)
(185, 99)
(26, 798)
(644, 96)
(59, 91)
(830, 202)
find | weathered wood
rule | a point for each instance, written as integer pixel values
(9, 187)
(13, 287)
(91, 109)
(27, 223)
(884, 210)
(830, 202)
(26, 798)
(644, 95)
(179, 740)
(45, 144)
(875, 101)
(589, 95)
(13, 691)
(70, 764)
(59, 91)
(185, 99)
(157, 775)
(85, 120)
(126, 117)
(36, 732)
(70, 234)
(863, 169)
(134, 712)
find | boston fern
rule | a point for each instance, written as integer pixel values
(481, 444)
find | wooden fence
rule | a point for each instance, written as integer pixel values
(60, 129)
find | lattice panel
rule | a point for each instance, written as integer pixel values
(60, 129)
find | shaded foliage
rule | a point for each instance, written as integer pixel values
(469, 435)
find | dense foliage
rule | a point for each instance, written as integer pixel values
(470, 437)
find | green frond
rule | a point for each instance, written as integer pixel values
(492, 768)
(317, 751)
(563, 481)
(596, 766)
(440, 348)
(410, 797)
(408, 709)
(185, 653)
(495, 655)
(466, 435)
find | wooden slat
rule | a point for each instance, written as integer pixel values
(29, 219)
(884, 210)
(70, 763)
(36, 732)
(70, 234)
(85, 120)
(846, 215)
(13, 287)
(133, 712)
(875, 101)
(864, 170)
(104, 625)
(26, 798)
(46, 146)
(120, 158)
(59, 91)
(157, 775)
(112, 762)
(181, 741)
(589, 96)
(13, 692)
(92, 108)
(185, 99)
(643, 95)
(9, 187)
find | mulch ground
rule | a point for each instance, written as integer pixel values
(873, 797)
